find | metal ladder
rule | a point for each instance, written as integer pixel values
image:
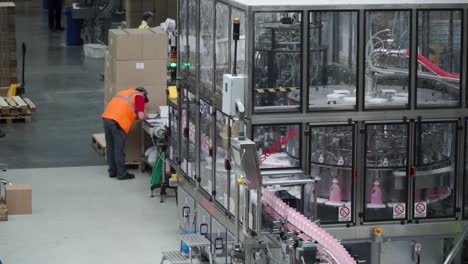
(192, 241)
(453, 253)
(174, 257)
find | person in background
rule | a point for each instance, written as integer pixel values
(55, 15)
(147, 20)
(118, 118)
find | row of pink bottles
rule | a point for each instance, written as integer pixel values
(308, 227)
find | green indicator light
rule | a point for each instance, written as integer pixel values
(173, 64)
(187, 64)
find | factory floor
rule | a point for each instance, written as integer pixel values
(82, 216)
(68, 93)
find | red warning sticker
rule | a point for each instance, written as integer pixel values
(344, 213)
(399, 211)
(420, 209)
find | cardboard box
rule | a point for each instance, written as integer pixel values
(140, 71)
(124, 46)
(19, 199)
(155, 45)
(133, 44)
(133, 152)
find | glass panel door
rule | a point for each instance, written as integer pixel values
(191, 136)
(277, 62)
(332, 60)
(206, 147)
(278, 145)
(436, 155)
(222, 44)
(184, 157)
(439, 58)
(331, 163)
(222, 143)
(386, 177)
(174, 136)
(387, 59)
(206, 44)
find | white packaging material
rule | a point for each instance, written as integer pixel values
(96, 51)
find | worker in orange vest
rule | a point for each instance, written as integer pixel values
(118, 118)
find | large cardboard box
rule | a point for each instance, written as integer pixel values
(19, 199)
(155, 44)
(133, 44)
(140, 71)
(133, 151)
(137, 58)
(124, 46)
(7, 44)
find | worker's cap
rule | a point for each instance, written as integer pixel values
(145, 93)
(147, 14)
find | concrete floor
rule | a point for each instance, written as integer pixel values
(82, 216)
(66, 88)
(79, 214)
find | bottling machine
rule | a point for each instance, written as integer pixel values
(355, 118)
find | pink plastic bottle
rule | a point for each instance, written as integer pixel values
(335, 192)
(376, 194)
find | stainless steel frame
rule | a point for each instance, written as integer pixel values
(357, 230)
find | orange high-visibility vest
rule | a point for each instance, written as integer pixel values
(121, 109)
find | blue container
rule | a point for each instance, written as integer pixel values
(73, 36)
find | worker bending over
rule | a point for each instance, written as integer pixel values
(118, 118)
(147, 20)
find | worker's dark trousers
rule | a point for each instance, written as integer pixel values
(55, 18)
(115, 147)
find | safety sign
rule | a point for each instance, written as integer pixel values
(420, 209)
(399, 211)
(344, 214)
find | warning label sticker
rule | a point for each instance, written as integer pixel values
(399, 211)
(344, 213)
(420, 209)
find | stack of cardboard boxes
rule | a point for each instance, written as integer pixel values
(7, 44)
(162, 9)
(137, 58)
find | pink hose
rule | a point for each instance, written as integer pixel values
(434, 68)
(325, 239)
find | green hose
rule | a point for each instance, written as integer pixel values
(157, 169)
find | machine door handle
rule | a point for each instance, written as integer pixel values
(219, 243)
(204, 230)
(185, 211)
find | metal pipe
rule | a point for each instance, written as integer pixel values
(237, 218)
(246, 201)
(453, 253)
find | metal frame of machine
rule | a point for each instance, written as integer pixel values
(359, 229)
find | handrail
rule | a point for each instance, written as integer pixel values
(457, 247)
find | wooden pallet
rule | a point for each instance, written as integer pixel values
(99, 143)
(14, 106)
(22, 118)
